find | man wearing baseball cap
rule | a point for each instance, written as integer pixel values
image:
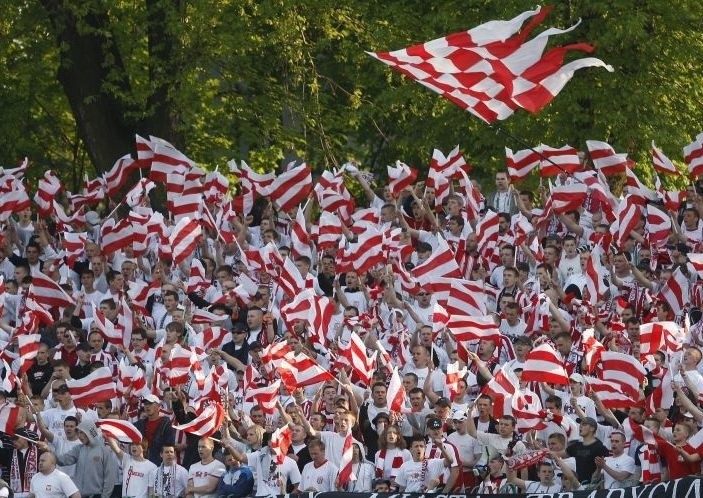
(587, 450)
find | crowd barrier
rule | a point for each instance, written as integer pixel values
(688, 487)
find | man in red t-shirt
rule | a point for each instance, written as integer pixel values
(156, 429)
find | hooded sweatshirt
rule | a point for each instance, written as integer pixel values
(96, 465)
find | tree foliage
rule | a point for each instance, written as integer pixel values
(271, 80)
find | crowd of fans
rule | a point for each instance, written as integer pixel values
(443, 438)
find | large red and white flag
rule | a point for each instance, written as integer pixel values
(184, 238)
(675, 292)
(300, 237)
(166, 159)
(266, 397)
(520, 163)
(48, 188)
(363, 254)
(501, 388)
(119, 174)
(662, 163)
(594, 276)
(610, 393)
(693, 156)
(623, 369)
(605, 159)
(289, 188)
(290, 280)
(474, 328)
(492, 69)
(345, 464)
(308, 372)
(545, 365)
(487, 230)
(115, 236)
(567, 198)
(48, 293)
(206, 423)
(395, 395)
(9, 418)
(95, 387)
(657, 226)
(281, 440)
(441, 263)
(655, 336)
(558, 160)
(448, 166)
(400, 176)
(355, 353)
(28, 347)
(121, 430)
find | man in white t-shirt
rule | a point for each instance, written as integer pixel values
(496, 444)
(320, 475)
(270, 478)
(619, 466)
(422, 474)
(50, 482)
(203, 476)
(138, 473)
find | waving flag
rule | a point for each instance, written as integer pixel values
(290, 188)
(492, 70)
(48, 293)
(693, 155)
(554, 161)
(207, 422)
(400, 176)
(184, 239)
(121, 430)
(395, 396)
(521, 163)
(675, 292)
(28, 346)
(281, 440)
(662, 163)
(605, 159)
(623, 369)
(544, 365)
(345, 464)
(97, 386)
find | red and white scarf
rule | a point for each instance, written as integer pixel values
(396, 462)
(18, 484)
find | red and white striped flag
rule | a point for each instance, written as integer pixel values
(440, 263)
(119, 174)
(395, 395)
(112, 334)
(121, 430)
(308, 372)
(463, 67)
(289, 188)
(675, 292)
(201, 316)
(623, 369)
(363, 254)
(345, 464)
(28, 347)
(115, 236)
(605, 159)
(610, 393)
(166, 159)
(662, 163)
(290, 280)
(521, 163)
(400, 176)
(473, 328)
(266, 397)
(197, 280)
(95, 387)
(567, 198)
(658, 226)
(281, 440)
(74, 246)
(501, 388)
(594, 276)
(184, 238)
(206, 423)
(299, 236)
(693, 156)
(139, 192)
(214, 337)
(48, 188)
(48, 293)
(329, 230)
(554, 161)
(355, 353)
(487, 230)
(629, 215)
(544, 365)
(9, 417)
